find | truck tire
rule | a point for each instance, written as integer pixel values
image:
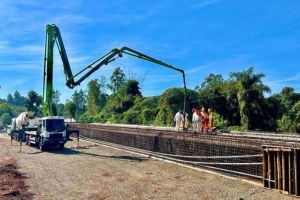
(61, 146)
(27, 140)
(36, 142)
(40, 145)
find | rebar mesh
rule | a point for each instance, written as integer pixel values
(232, 154)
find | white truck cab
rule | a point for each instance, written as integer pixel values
(51, 132)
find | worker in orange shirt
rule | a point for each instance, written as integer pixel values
(210, 120)
(204, 120)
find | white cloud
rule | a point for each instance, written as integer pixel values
(4, 45)
(19, 81)
(278, 84)
(239, 62)
(206, 3)
(203, 4)
(21, 66)
(31, 49)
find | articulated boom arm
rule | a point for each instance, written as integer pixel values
(53, 36)
(113, 55)
(137, 54)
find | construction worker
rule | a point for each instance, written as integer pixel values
(196, 120)
(204, 120)
(177, 119)
(186, 125)
(210, 120)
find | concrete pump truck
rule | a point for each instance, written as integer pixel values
(51, 130)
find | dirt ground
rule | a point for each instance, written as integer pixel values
(99, 172)
(12, 182)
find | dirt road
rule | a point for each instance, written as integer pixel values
(99, 172)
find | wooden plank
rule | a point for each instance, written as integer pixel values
(290, 172)
(279, 171)
(277, 149)
(265, 169)
(270, 171)
(296, 172)
(283, 154)
(272, 149)
(275, 171)
(286, 150)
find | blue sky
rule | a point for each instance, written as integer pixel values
(199, 36)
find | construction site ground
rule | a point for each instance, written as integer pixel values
(99, 172)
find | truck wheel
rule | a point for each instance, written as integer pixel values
(36, 142)
(41, 146)
(61, 146)
(27, 140)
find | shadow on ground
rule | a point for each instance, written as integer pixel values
(69, 151)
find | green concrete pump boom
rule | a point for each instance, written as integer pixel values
(53, 36)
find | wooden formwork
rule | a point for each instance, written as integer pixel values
(281, 168)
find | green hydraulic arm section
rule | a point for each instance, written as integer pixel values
(53, 36)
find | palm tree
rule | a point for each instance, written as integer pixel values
(250, 97)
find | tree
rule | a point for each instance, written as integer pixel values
(132, 75)
(60, 109)
(10, 99)
(79, 99)
(122, 101)
(250, 90)
(117, 79)
(103, 96)
(33, 102)
(130, 117)
(296, 109)
(102, 84)
(147, 109)
(232, 113)
(93, 101)
(212, 94)
(127, 94)
(6, 118)
(170, 102)
(131, 87)
(70, 109)
(18, 99)
(288, 99)
(56, 96)
(5, 108)
(57, 108)
(288, 110)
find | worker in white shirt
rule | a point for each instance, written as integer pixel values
(177, 119)
(196, 120)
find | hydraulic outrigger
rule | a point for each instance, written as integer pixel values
(53, 36)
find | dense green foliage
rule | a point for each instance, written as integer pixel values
(238, 103)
